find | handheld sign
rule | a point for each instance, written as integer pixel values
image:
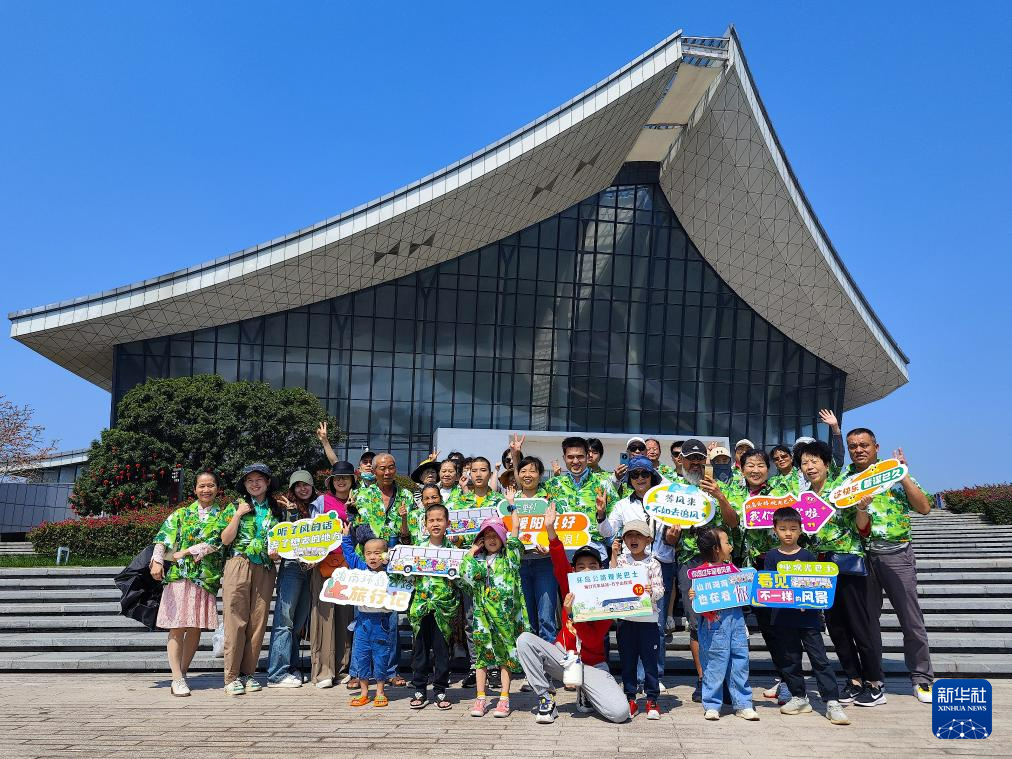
(308, 540)
(723, 591)
(714, 571)
(425, 560)
(610, 594)
(793, 591)
(759, 510)
(814, 512)
(822, 568)
(678, 505)
(573, 527)
(878, 477)
(358, 587)
(462, 521)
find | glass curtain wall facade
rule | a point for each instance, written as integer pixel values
(604, 318)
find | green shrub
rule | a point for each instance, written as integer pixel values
(99, 537)
(993, 501)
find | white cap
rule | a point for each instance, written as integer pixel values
(744, 441)
(632, 440)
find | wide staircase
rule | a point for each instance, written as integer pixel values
(68, 618)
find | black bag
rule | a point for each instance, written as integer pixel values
(141, 592)
(849, 563)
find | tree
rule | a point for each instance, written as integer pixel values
(21, 441)
(199, 423)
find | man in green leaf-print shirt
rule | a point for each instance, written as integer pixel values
(578, 488)
(891, 562)
(384, 507)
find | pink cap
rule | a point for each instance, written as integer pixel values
(496, 525)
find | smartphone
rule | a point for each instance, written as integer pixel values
(623, 458)
(708, 472)
(722, 472)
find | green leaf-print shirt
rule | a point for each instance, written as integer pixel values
(184, 528)
(500, 614)
(889, 512)
(563, 490)
(254, 529)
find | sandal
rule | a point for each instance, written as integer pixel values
(381, 701)
(443, 702)
(419, 701)
(398, 682)
(360, 701)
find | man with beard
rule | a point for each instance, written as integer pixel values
(891, 564)
(694, 457)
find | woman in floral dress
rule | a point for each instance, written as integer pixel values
(491, 575)
(193, 577)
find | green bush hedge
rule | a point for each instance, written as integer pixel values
(100, 537)
(993, 501)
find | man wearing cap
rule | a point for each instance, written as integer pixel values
(694, 458)
(640, 477)
(542, 661)
(892, 567)
(581, 490)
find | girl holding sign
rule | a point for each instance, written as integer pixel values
(191, 582)
(491, 575)
(723, 640)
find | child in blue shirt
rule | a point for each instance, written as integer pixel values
(795, 629)
(375, 629)
(723, 640)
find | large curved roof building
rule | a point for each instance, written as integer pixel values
(642, 258)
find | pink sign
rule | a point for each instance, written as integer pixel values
(814, 512)
(714, 571)
(759, 510)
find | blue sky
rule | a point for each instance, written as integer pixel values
(139, 138)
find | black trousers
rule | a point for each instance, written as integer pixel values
(766, 629)
(789, 642)
(430, 654)
(855, 632)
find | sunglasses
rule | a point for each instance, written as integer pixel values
(639, 474)
(636, 448)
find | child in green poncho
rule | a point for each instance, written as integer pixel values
(491, 575)
(433, 607)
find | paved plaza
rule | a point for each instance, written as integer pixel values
(98, 715)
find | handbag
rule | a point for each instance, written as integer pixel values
(849, 563)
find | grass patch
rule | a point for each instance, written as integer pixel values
(31, 560)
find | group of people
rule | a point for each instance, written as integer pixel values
(510, 606)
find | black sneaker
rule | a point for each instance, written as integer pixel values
(547, 712)
(849, 693)
(697, 694)
(871, 695)
(470, 680)
(494, 681)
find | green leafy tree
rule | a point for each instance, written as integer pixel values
(201, 423)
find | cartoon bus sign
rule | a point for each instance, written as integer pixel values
(425, 560)
(463, 522)
(877, 478)
(308, 540)
(679, 505)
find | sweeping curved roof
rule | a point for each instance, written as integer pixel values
(688, 104)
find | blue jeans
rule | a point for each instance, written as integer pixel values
(375, 638)
(541, 596)
(291, 611)
(637, 644)
(723, 654)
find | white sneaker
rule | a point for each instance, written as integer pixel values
(288, 681)
(772, 691)
(711, 714)
(923, 692)
(346, 679)
(797, 705)
(748, 713)
(836, 714)
(180, 688)
(325, 683)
